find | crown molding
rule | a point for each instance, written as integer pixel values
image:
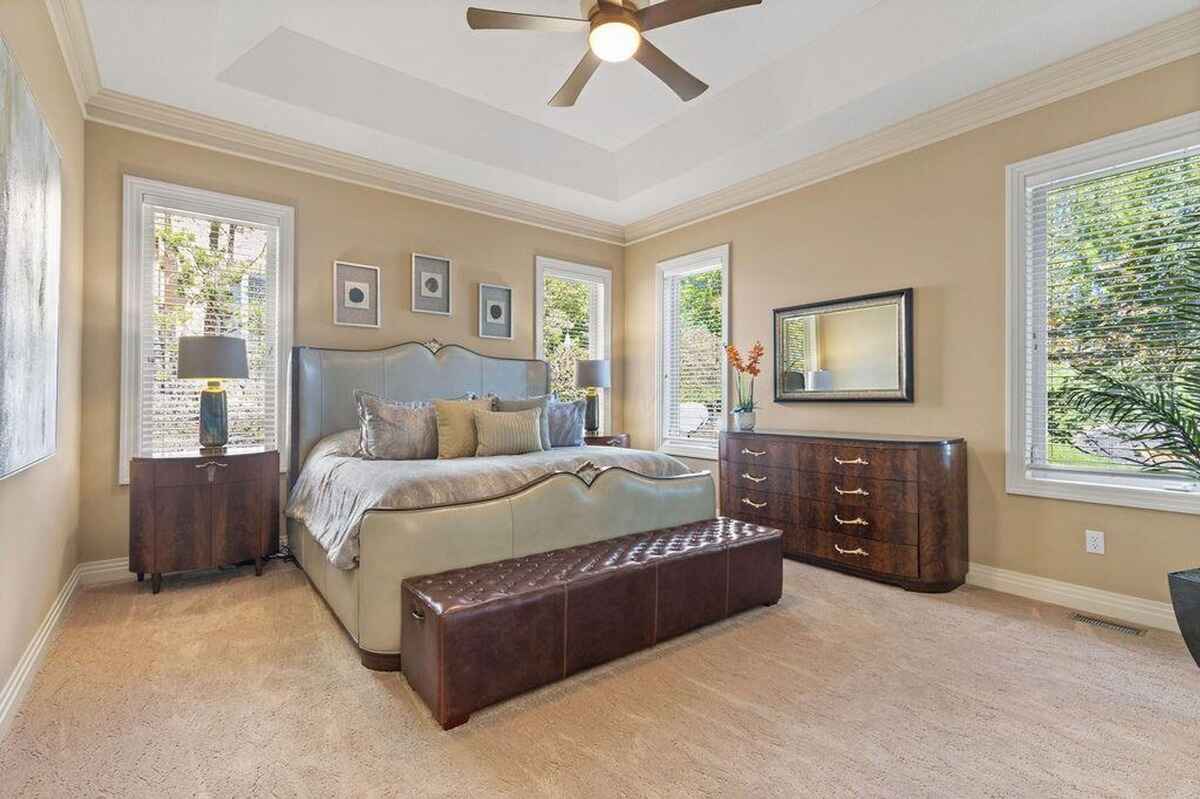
(178, 124)
(1150, 47)
(71, 29)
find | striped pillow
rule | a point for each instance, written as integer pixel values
(511, 433)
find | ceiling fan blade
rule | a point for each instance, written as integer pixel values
(669, 12)
(570, 90)
(487, 19)
(682, 82)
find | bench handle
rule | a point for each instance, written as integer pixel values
(858, 551)
(860, 491)
(859, 520)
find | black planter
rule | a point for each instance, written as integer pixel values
(1185, 596)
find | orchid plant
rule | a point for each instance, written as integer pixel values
(746, 372)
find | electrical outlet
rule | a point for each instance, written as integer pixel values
(1093, 541)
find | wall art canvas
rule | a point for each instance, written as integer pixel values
(495, 311)
(432, 284)
(355, 294)
(30, 241)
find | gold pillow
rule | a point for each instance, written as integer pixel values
(456, 426)
(509, 432)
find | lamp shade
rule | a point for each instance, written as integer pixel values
(212, 357)
(593, 374)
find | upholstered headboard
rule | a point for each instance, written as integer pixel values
(324, 382)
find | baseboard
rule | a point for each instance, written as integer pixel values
(90, 573)
(1142, 612)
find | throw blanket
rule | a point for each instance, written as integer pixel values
(336, 488)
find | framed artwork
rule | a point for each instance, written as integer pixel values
(495, 311)
(432, 284)
(356, 295)
(30, 248)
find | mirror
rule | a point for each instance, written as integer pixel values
(858, 348)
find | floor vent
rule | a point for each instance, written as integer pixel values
(1105, 624)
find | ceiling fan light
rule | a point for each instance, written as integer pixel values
(614, 41)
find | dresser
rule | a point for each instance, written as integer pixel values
(889, 508)
(201, 511)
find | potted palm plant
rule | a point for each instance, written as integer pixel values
(1162, 425)
(743, 411)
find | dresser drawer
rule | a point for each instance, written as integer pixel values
(893, 560)
(770, 479)
(842, 489)
(759, 505)
(760, 451)
(856, 461)
(877, 524)
(224, 469)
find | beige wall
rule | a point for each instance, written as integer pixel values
(932, 219)
(39, 507)
(334, 220)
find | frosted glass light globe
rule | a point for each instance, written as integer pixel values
(614, 41)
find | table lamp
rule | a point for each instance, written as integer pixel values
(213, 358)
(593, 375)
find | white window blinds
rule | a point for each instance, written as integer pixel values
(1113, 299)
(692, 355)
(204, 275)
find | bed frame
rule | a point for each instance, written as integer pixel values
(559, 510)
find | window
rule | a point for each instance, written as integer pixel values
(573, 309)
(1104, 328)
(692, 323)
(197, 263)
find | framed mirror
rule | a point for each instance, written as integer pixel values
(853, 349)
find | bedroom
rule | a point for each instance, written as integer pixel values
(829, 176)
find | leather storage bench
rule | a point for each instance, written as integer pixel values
(475, 636)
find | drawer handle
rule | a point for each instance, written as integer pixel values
(613, 442)
(416, 614)
(859, 461)
(860, 491)
(753, 452)
(752, 503)
(207, 464)
(857, 551)
(753, 477)
(860, 520)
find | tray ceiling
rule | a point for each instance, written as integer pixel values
(406, 83)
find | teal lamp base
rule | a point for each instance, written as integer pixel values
(214, 418)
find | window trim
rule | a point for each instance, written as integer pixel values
(570, 270)
(1109, 154)
(136, 192)
(672, 267)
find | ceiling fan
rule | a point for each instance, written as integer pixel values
(615, 29)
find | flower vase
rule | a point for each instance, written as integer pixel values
(743, 421)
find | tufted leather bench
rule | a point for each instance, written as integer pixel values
(475, 636)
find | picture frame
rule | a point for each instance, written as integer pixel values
(495, 311)
(432, 284)
(356, 295)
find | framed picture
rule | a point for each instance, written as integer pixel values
(495, 311)
(432, 284)
(355, 294)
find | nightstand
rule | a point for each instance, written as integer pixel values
(615, 440)
(198, 511)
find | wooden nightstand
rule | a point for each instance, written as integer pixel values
(199, 511)
(615, 440)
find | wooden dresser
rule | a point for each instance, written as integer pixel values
(891, 508)
(201, 511)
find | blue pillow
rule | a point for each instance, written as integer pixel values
(566, 423)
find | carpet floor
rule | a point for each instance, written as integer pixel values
(227, 685)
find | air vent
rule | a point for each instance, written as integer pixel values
(1105, 624)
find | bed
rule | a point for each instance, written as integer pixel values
(548, 501)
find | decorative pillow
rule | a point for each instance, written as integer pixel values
(456, 426)
(541, 403)
(396, 431)
(566, 423)
(508, 432)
